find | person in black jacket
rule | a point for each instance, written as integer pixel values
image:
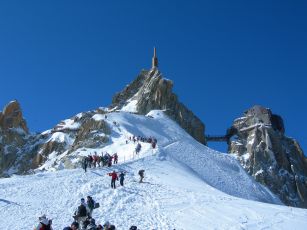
(121, 178)
(81, 213)
(90, 204)
(84, 163)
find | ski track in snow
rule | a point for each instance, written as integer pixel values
(186, 186)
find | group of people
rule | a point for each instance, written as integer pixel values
(83, 219)
(90, 224)
(142, 139)
(153, 141)
(95, 160)
(99, 161)
(115, 176)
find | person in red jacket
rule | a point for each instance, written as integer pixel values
(114, 177)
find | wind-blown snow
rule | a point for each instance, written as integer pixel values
(70, 124)
(61, 137)
(130, 107)
(187, 186)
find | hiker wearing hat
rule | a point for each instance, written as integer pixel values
(44, 223)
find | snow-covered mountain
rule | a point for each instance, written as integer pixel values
(21, 153)
(187, 185)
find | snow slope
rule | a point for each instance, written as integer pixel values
(187, 186)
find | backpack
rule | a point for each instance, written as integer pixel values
(97, 205)
(133, 227)
(81, 211)
(141, 172)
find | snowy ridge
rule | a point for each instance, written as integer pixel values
(220, 171)
(187, 185)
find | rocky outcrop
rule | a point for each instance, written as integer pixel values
(11, 118)
(13, 135)
(269, 156)
(150, 91)
(22, 152)
(71, 135)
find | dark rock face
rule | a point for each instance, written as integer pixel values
(13, 135)
(80, 131)
(11, 117)
(269, 156)
(151, 91)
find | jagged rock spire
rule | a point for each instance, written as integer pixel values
(154, 59)
(150, 91)
(272, 158)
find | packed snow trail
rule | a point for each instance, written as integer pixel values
(171, 197)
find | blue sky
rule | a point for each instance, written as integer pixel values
(59, 58)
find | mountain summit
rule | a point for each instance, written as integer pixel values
(151, 91)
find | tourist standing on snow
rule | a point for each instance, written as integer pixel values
(94, 160)
(121, 178)
(110, 161)
(81, 213)
(115, 157)
(84, 164)
(98, 160)
(138, 148)
(90, 204)
(141, 174)
(90, 161)
(114, 177)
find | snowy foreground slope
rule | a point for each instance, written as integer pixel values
(187, 186)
